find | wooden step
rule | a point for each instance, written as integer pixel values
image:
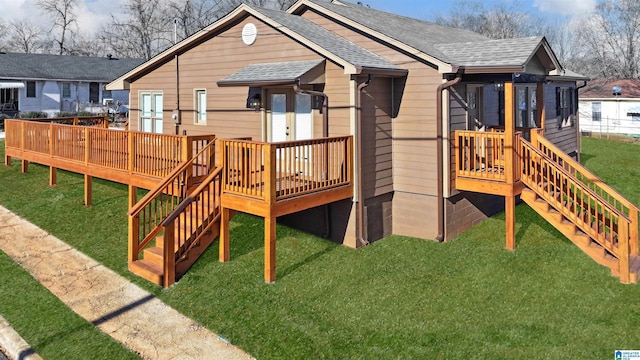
(147, 270)
(154, 255)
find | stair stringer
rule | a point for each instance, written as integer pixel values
(570, 231)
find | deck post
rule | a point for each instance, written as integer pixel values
(25, 166)
(224, 235)
(541, 110)
(88, 189)
(510, 221)
(169, 255)
(53, 176)
(633, 230)
(7, 160)
(134, 234)
(133, 195)
(269, 249)
(510, 165)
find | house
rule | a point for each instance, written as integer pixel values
(348, 122)
(610, 106)
(60, 83)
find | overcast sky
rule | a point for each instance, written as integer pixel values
(94, 13)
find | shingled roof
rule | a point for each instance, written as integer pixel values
(453, 46)
(341, 47)
(419, 34)
(20, 66)
(603, 89)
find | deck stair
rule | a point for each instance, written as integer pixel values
(174, 223)
(589, 213)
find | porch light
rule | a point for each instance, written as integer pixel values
(498, 86)
(255, 102)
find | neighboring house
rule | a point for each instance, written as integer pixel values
(400, 86)
(58, 83)
(610, 106)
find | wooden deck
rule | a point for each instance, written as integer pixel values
(195, 184)
(580, 205)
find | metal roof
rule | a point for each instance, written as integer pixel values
(270, 73)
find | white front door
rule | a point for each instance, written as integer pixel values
(151, 112)
(290, 117)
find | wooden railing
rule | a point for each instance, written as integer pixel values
(589, 211)
(480, 155)
(146, 216)
(189, 221)
(96, 121)
(137, 153)
(277, 171)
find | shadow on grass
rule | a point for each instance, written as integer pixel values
(308, 260)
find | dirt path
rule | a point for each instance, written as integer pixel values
(124, 311)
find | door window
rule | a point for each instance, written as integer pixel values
(151, 112)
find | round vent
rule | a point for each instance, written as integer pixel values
(249, 33)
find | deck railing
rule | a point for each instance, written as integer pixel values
(279, 171)
(480, 155)
(146, 216)
(589, 211)
(137, 153)
(592, 182)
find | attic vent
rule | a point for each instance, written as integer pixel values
(249, 34)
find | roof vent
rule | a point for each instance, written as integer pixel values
(617, 90)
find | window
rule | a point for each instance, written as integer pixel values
(565, 106)
(201, 107)
(527, 107)
(596, 113)
(94, 93)
(635, 116)
(66, 90)
(151, 112)
(31, 89)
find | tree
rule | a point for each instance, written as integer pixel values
(142, 32)
(611, 36)
(498, 22)
(25, 37)
(62, 14)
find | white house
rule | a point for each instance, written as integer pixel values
(610, 106)
(60, 83)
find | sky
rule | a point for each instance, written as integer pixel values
(95, 13)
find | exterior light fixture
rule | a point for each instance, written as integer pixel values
(255, 102)
(498, 86)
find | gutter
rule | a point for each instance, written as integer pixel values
(439, 154)
(360, 229)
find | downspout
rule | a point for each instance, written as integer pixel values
(325, 134)
(360, 229)
(439, 154)
(577, 116)
(178, 115)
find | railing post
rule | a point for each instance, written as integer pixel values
(623, 249)
(134, 235)
(169, 255)
(187, 154)
(270, 173)
(633, 230)
(131, 151)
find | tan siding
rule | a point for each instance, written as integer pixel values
(414, 127)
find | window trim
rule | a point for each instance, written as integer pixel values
(197, 120)
(152, 116)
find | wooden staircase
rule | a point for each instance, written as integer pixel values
(589, 213)
(174, 223)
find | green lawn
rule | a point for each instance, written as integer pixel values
(397, 298)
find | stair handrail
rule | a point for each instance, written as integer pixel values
(174, 189)
(171, 223)
(627, 237)
(584, 172)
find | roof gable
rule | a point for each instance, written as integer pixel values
(350, 56)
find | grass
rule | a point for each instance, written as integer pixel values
(397, 298)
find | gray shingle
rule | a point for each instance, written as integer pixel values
(421, 35)
(266, 72)
(506, 52)
(341, 47)
(62, 67)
